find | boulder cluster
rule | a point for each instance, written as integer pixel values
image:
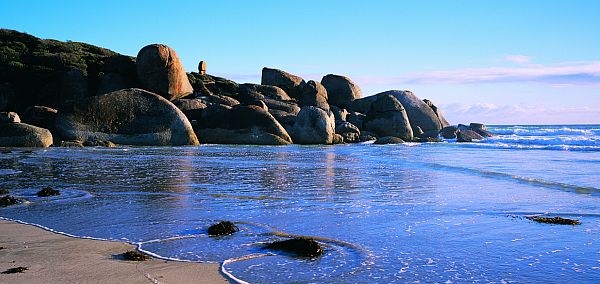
(74, 94)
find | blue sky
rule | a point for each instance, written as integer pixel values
(491, 61)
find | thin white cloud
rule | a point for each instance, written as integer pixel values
(563, 74)
(518, 114)
(519, 59)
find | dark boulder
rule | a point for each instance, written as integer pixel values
(356, 118)
(192, 108)
(208, 85)
(387, 117)
(8, 200)
(241, 125)
(388, 140)
(430, 134)
(9, 117)
(303, 247)
(24, 135)
(160, 71)
(313, 126)
(449, 132)
(222, 228)
(47, 191)
(481, 129)
(467, 136)
(437, 112)
(349, 132)
(341, 90)
(40, 116)
(127, 117)
(340, 114)
(367, 136)
(475, 125)
(71, 144)
(272, 92)
(314, 94)
(291, 84)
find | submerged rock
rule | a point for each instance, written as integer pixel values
(449, 132)
(222, 228)
(554, 220)
(71, 144)
(133, 255)
(467, 136)
(3, 191)
(47, 191)
(388, 140)
(8, 200)
(303, 247)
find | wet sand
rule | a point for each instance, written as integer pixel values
(55, 258)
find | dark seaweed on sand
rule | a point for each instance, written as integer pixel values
(19, 269)
(133, 255)
(554, 220)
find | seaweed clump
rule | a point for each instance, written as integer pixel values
(222, 228)
(48, 191)
(19, 269)
(554, 220)
(303, 247)
(8, 200)
(3, 191)
(133, 255)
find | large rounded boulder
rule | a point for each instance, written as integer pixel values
(291, 84)
(160, 71)
(242, 125)
(127, 117)
(24, 135)
(341, 90)
(387, 117)
(314, 125)
(314, 94)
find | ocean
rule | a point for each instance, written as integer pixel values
(415, 212)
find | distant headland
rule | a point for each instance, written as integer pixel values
(74, 94)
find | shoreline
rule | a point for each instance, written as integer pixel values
(53, 257)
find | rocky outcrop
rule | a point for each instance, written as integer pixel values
(437, 112)
(291, 84)
(119, 73)
(313, 126)
(208, 85)
(34, 71)
(418, 112)
(271, 92)
(242, 125)
(342, 91)
(349, 132)
(127, 117)
(160, 71)
(449, 132)
(481, 129)
(8, 117)
(387, 117)
(24, 135)
(314, 94)
(467, 136)
(388, 140)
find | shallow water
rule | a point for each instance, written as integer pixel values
(432, 212)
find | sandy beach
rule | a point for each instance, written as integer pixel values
(55, 258)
